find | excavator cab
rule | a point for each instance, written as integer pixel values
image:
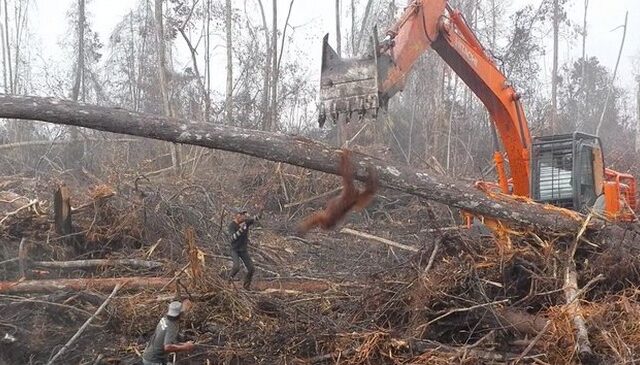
(568, 171)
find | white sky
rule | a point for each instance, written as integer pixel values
(315, 18)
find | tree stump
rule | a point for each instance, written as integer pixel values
(62, 211)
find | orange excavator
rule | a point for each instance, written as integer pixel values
(564, 170)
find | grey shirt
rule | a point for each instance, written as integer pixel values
(166, 333)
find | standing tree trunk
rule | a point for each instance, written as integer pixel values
(353, 28)
(584, 40)
(554, 73)
(367, 11)
(340, 126)
(638, 125)
(228, 106)
(8, 45)
(80, 61)
(164, 82)
(338, 33)
(76, 151)
(266, 90)
(613, 78)
(274, 69)
(207, 66)
(4, 57)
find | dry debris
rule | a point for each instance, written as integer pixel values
(454, 297)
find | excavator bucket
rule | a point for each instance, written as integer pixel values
(348, 87)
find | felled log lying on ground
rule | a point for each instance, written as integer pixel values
(290, 285)
(101, 284)
(83, 264)
(294, 150)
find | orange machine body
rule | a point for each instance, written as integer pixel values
(434, 24)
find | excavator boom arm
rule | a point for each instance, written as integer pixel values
(430, 24)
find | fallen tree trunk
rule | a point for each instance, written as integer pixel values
(294, 150)
(83, 264)
(292, 285)
(101, 284)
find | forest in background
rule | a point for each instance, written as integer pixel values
(435, 121)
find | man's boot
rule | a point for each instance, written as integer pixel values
(247, 282)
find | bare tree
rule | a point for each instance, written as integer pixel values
(266, 90)
(228, 96)
(341, 130)
(76, 151)
(274, 69)
(8, 45)
(207, 57)
(4, 55)
(638, 110)
(80, 60)
(554, 72)
(338, 33)
(584, 38)
(164, 76)
(615, 73)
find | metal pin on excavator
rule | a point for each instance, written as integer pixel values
(566, 170)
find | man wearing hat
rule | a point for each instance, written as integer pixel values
(239, 232)
(164, 339)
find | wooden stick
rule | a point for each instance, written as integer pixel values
(378, 239)
(22, 256)
(78, 264)
(583, 346)
(432, 257)
(85, 325)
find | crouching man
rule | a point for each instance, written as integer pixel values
(164, 340)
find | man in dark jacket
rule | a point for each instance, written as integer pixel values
(239, 234)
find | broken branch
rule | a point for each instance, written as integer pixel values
(378, 239)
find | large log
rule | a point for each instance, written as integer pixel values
(294, 150)
(292, 285)
(101, 284)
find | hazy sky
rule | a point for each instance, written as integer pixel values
(313, 18)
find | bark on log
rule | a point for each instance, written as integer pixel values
(83, 264)
(102, 284)
(140, 283)
(294, 150)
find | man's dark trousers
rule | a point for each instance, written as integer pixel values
(243, 255)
